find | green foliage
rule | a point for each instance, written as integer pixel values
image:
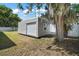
(7, 18)
(75, 8)
(19, 5)
(4, 11)
(14, 19)
(31, 5)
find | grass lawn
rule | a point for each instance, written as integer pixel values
(12, 43)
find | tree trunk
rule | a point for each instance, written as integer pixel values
(59, 21)
(59, 28)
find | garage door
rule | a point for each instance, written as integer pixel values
(31, 29)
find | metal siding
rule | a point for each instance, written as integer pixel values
(42, 23)
(22, 28)
(74, 31)
(31, 29)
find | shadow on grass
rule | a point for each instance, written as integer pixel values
(5, 42)
(71, 45)
(47, 36)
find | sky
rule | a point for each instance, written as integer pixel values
(22, 14)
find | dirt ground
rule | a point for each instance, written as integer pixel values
(15, 44)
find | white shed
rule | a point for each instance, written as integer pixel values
(36, 27)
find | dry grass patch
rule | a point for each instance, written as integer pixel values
(29, 46)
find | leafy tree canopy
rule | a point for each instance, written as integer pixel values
(7, 18)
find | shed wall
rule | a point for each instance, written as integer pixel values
(43, 27)
(74, 30)
(50, 29)
(22, 28)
